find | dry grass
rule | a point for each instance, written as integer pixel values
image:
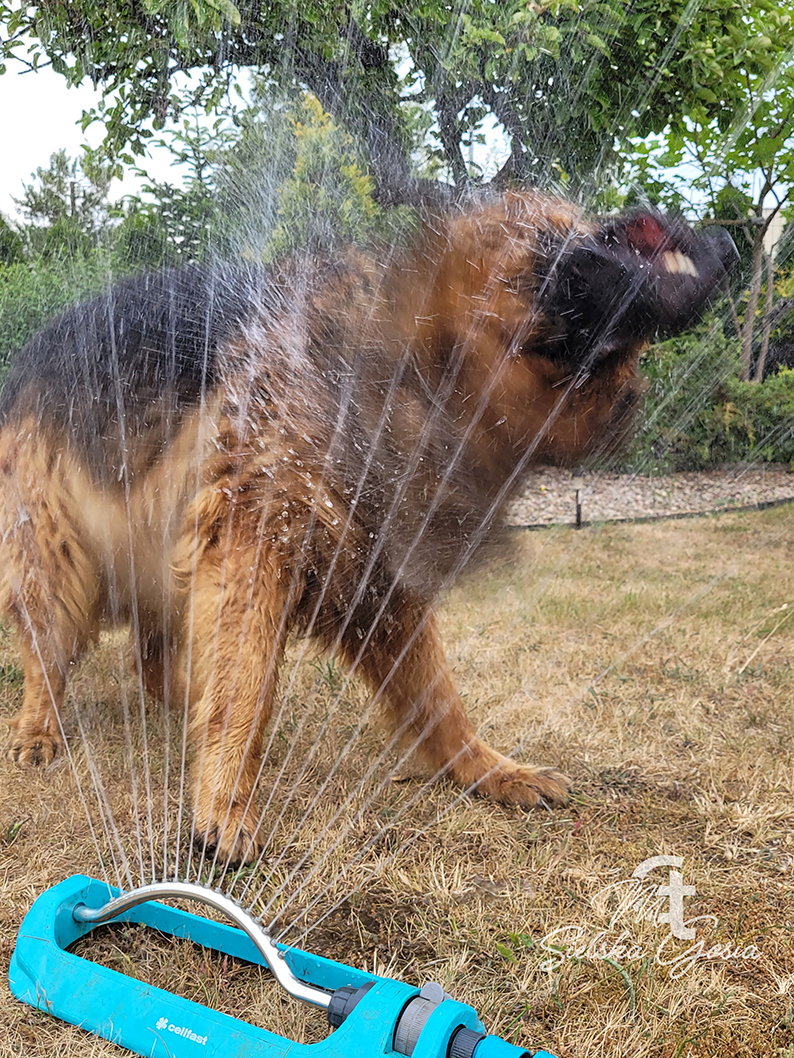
(653, 663)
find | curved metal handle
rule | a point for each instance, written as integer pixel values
(265, 945)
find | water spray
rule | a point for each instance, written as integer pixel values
(368, 1015)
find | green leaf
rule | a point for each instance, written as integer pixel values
(597, 42)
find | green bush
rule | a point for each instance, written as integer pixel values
(31, 293)
(755, 421)
(327, 200)
(11, 246)
(699, 415)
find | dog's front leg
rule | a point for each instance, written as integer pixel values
(237, 615)
(405, 664)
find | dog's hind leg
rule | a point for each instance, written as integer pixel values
(407, 669)
(155, 656)
(239, 596)
(49, 586)
(36, 736)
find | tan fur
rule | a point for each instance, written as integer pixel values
(214, 540)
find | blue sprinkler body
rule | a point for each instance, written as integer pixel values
(376, 1016)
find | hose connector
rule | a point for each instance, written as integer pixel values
(344, 1001)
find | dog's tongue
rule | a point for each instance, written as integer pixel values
(646, 235)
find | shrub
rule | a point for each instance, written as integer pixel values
(756, 421)
(33, 292)
(699, 415)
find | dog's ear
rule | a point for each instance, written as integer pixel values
(625, 281)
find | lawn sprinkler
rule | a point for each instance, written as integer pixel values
(369, 1016)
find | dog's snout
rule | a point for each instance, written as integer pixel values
(723, 245)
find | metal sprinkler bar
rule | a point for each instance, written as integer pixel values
(370, 1016)
(266, 946)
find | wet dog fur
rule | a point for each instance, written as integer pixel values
(220, 457)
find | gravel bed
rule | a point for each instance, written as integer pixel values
(548, 494)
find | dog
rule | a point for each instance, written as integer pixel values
(220, 456)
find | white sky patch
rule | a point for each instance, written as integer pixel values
(40, 114)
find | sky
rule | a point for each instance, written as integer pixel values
(39, 114)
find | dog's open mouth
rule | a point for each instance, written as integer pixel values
(633, 278)
(646, 236)
(686, 267)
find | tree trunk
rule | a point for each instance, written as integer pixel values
(768, 305)
(752, 303)
(737, 327)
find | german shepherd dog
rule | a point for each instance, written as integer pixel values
(217, 457)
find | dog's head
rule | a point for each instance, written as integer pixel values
(627, 280)
(548, 310)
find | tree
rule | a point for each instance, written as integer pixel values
(249, 175)
(176, 223)
(567, 81)
(326, 199)
(173, 225)
(281, 177)
(11, 245)
(66, 204)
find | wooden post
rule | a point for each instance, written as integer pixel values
(578, 484)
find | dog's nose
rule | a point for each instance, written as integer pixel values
(723, 245)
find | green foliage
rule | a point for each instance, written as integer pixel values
(740, 159)
(569, 81)
(169, 224)
(9, 832)
(11, 675)
(756, 421)
(31, 293)
(12, 248)
(58, 257)
(285, 179)
(248, 176)
(699, 415)
(327, 200)
(173, 226)
(66, 204)
(324, 200)
(725, 155)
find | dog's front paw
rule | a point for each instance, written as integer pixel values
(231, 841)
(522, 784)
(488, 773)
(38, 747)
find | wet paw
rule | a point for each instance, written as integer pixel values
(39, 748)
(490, 774)
(520, 784)
(234, 844)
